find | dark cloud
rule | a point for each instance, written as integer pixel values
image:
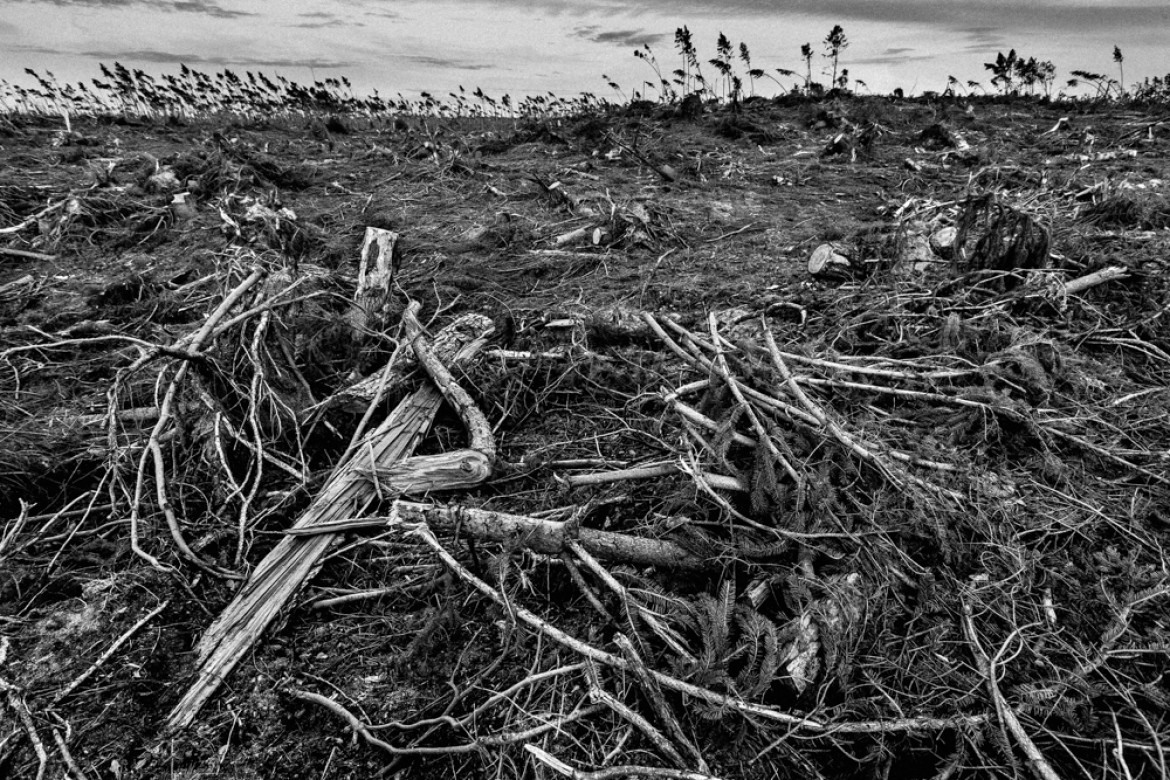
(890, 59)
(443, 62)
(38, 49)
(202, 7)
(623, 38)
(175, 58)
(325, 23)
(1076, 14)
(321, 19)
(205, 7)
(953, 14)
(981, 38)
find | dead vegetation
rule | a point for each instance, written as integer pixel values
(552, 458)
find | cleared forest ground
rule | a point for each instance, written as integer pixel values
(698, 510)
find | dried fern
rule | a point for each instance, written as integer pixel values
(760, 638)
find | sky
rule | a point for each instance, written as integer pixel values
(525, 47)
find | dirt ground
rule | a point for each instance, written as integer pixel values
(936, 548)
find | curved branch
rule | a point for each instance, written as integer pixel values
(478, 429)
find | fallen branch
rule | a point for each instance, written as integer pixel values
(14, 287)
(15, 698)
(597, 694)
(573, 235)
(403, 363)
(864, 451)
(67, 757)
(24, 253)
(749, 410)
(719, 481)
(34, 218)
(478, 428)
(724, 700)
(543, 536)
(1007, 716)
(652, 692)
(492, 740)
(1080, 284)
(153, 450)
(811, 414)
(613, 772)
(13, 529)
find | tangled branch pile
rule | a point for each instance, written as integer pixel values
(914, 523)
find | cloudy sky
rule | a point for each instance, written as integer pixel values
(565, 46)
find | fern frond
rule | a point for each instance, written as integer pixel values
(1036, 694)
(751, 631)
(765, 487)
(1150, 593)
(771, 661)
(725, 434)
(705, 609)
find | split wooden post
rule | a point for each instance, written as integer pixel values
(371, 307)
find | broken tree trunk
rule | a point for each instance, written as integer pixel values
(362, 393)
(294, 561)
(447, 470)
(372, 301)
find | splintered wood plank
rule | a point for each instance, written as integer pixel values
(295, 560)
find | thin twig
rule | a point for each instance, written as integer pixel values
(123, 639)
(67, 757)
(717, 699)
(17, 704)
(4, 250)
(493, 740)
(1007, 716)
(613, 772)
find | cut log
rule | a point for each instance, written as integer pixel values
(830, 262)
(294, 561)
(573, 235)
(942, 242)
(616, 322)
